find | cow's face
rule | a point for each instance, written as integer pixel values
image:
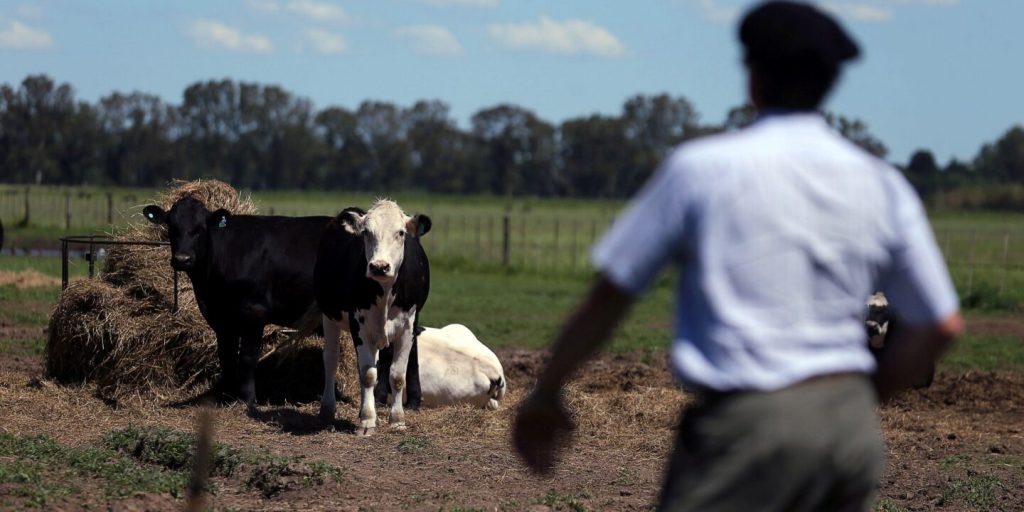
(877, 322)
(384, 229)
(188, 224)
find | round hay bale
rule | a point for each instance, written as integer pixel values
(120, 331)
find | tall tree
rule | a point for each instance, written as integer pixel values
(519, 150)
(1003, 160)
(138, 148)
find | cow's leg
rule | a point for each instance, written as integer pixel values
(413, 392)
(402, 346)
(227, 353)
(332, 336)
(383, 387)
(252, 340)
(367, 357)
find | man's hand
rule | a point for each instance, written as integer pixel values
(541, 430)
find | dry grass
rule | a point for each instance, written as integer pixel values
(120, 331)
(26, 279)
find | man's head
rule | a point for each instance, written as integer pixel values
(793, 52)
(188, 224)
(384, 228)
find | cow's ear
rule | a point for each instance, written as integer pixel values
(155, 214)
(419, 224)
(218, 219)
(352, 220)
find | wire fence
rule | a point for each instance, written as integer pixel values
(980, 259)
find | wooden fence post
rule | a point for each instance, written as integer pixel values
(1006, 251)
(970, 263)
(505, 242)
(28, 209)
(67, 211)
(555, 253)
(573, 250)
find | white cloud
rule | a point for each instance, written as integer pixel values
(431, 40)
(19, 36)
(460, 3)
(859, 11)
(317, 11)
(927, 2)
(264, 6)
(569, 37)
(714, 11)
(212, 33)
(327, 43)
(868, 11)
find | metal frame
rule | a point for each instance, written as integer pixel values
(101, 240)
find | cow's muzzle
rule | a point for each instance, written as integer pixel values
(182, 262)
(378, 269)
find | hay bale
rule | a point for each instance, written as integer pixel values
(120, 331)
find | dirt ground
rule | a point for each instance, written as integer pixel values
(958, 445)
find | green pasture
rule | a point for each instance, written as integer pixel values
(505, 308)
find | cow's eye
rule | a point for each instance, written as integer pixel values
(399, 234)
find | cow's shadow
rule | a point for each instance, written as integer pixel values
(296, 422)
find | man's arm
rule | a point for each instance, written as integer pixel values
(542, 422)
(910, 358)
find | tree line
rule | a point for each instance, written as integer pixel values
(263, 137)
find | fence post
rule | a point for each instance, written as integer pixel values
(67, 211)
(27, 208)
(970, 263)
(555, 252)
(505, 242)
(1006, 251)
(110, 207)
(573, 250)
(479, 246)
(523, 246)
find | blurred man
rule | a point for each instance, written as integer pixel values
(779, 231)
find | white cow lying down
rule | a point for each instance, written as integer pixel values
(456, 368)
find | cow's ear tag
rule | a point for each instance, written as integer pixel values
(150, 216)
(223, 222)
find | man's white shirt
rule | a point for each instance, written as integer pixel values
(780, 232)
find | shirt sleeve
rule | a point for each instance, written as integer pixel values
(646, 235)
(917, 283)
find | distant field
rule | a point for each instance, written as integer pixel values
(985, 250)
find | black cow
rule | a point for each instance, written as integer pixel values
(247, 271)
(372, 279)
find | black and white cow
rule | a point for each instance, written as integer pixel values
(372, 279)
(883, 325)
(247, 271)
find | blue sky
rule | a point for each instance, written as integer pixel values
(940, 74)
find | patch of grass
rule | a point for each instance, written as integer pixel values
(559, 501)
(23, 347)
(26, 479)
(887, 505)
(624, 476)
(412, 444)
(955, 462)
(461, 509)
(118, 476)
(526, 310)
(269, 474)
(505, 505)
(986, 353)
(979, 492)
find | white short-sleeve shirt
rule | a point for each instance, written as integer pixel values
(780, 232)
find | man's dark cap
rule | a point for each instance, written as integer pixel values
(792, 36)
